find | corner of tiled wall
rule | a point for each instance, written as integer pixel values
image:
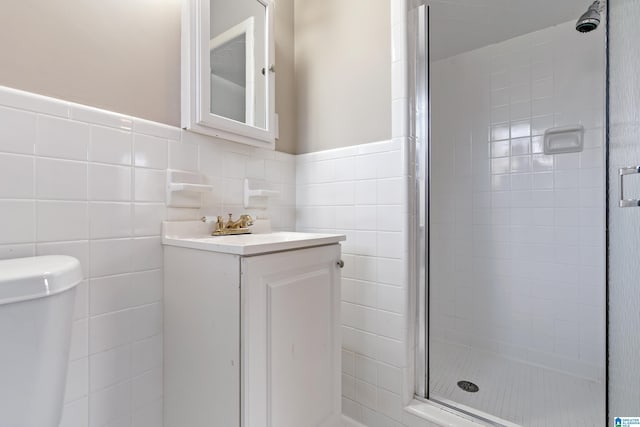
(358, 191)
(81, 190)
(361, 191)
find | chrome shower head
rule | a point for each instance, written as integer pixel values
(590, 20)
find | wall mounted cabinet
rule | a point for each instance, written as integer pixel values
(228, 81)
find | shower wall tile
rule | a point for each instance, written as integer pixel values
(89, 183)
(510, 221)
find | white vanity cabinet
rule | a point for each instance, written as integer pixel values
(252, 339)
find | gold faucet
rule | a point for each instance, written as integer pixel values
(240, 226)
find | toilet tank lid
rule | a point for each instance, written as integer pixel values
(36, 277)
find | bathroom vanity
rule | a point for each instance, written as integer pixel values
(251, 328)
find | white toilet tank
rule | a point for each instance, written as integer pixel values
(36, 309)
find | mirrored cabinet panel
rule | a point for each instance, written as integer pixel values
(228, 70)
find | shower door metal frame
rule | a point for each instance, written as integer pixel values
(419, 178)
(420, 182)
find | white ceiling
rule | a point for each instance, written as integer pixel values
(459, 26)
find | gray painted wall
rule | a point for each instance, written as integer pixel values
(333, 84)
(120, 55)
(343, 72)
(285, 76)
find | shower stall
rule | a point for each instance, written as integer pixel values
(508, 133)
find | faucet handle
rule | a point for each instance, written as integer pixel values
(229, 223)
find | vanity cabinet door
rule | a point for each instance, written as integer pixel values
(290, 338)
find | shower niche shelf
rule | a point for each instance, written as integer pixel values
(561, 140)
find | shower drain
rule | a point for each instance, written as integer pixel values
(468, 386)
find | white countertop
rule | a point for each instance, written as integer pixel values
(197, 235)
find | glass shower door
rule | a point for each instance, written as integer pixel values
(624, 223)
(515, 302)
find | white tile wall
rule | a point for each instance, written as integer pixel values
(360, 191)
(89, 183)
(519, 235)
(225, 166)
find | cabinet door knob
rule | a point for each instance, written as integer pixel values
(340, 263)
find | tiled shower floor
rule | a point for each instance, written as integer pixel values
(524, 394)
